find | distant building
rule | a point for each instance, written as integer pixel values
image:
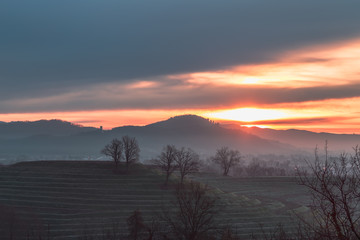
(101, 128)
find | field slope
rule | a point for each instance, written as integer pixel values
(72, 196)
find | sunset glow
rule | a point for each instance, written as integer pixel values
(332, 64)
(315, 88)
(247, 114)
(250, 80)
(105, 118)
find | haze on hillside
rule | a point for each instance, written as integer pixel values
(56, 139)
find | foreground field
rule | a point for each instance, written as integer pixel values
(72, 197)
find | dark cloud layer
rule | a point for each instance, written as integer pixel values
(56, 45)
(177, 97)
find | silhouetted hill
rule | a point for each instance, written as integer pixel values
(183, 122)
(47, 127)
(203, 135)
(308, 140)
(199, 133)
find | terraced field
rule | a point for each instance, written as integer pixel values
(71, 197)
(273, 199)
(284, 190)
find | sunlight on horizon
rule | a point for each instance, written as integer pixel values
(258, 126)
(247, 114)
(250, 80)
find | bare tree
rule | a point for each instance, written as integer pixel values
(136, 225)
(166, 161)
(153, 228)
(334, 185)
(187, 162)
(194, 216)
(226, 158)
(131, 150)
(114, 150)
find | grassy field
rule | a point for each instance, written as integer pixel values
(72, 196)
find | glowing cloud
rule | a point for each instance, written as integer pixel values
(331, 64)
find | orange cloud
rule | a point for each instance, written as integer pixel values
(331, 64)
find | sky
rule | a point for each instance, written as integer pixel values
(280, 64)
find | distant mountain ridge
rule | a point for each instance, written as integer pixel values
(42, 127)
(308, 140)
(201, 134)
(186, 130)
(184, 121)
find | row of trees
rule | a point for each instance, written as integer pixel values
(257, 167)
(185, 160)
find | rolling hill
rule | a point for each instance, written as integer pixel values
(203, 135)
(308, 140)
(42, 127)
(56, 139)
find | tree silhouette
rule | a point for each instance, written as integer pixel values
(166, 161)
(334, 185)
(114, 150)
(131, 150)
(187, 162)
(194, 216)
(226, 158)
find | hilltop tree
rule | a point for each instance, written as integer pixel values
(334, 185)
(187, 162)
(227, 159)
(131, 150)
(114, 150)
(166, 161)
